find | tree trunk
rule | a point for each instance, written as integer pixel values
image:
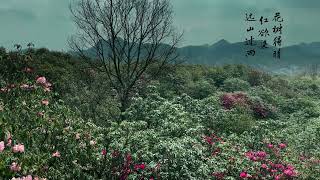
(124, 104)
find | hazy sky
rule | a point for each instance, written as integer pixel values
(47, 23)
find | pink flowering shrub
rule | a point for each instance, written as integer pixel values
(230, 100)
(41, 141)
(268, 163)
(259, 109)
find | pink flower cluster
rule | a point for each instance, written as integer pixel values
(18, 148)
(126, 166)
(276, 169)
(139, 167)
(15, 167)
(256, 156)
(2, 146)
(279, 170)
(212, 139)
(44, 83)
(56, 154)
(104, 152)
(244, 175)
(229, 100)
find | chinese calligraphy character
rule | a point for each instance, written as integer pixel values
(264, 33)
(277, 29)
(250, 29)
(276, 54)
(250, 17)
(263, 20)
(264, 44)
(277, 41)
(251, 52)
(250, 41)
(277, 17)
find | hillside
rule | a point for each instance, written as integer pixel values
(59, 119)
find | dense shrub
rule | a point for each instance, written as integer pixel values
(303, 106)
(235, 84)
(200, 89)
(230, 100)
(59, 119)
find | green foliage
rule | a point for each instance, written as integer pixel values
(235, 84)
(233, 121)
(177, 126)
(303, 106)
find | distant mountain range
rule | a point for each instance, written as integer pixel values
(293, 58)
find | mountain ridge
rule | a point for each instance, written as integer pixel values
(222, 52)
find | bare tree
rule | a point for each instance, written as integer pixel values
(127, 37)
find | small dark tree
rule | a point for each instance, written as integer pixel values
(127, 37)
(18, 47)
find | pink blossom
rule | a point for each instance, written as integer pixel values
(41, 80)
(47, 85)
(274, 170)
(264, 166)
(249, 154)
(261, 154)
(56, 154)
(139, 166)
(40, 114)
(288, 172)
(277, 177)
(231, 99)
(18, 148)
(282, 145)
(270, 146)
(29, 177)
(104, 152)
(2, 146)
(15, 167)
(45, 102)
(243, 175)
(290, 167)
(279, 166)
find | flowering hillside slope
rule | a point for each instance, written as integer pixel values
(59, 120)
